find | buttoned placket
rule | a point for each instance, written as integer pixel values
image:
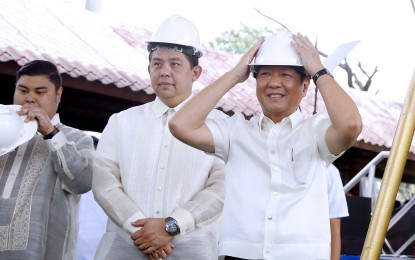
(275, 171)
(162, 165)
(11, 179)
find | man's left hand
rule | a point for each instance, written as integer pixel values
(152, 235)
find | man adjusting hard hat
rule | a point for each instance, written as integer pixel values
(276, 204)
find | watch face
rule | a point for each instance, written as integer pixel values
(172, 227)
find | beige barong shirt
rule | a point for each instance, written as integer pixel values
(142, 171)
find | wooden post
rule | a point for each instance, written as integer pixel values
(391, 179)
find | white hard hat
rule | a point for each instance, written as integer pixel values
(177, 30)
(277, 50)
(13, 130)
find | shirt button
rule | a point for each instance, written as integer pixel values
(158, 212)
(162, 167)
(275, 194)
(166, 146)
(272, 152)
(159, 188)
(269, 217)
(12, 173)
(267, 252)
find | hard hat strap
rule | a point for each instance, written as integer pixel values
(188, 50)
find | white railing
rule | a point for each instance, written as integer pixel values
(366, 190)
(368, 169)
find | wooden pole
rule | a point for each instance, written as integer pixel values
(391, 179)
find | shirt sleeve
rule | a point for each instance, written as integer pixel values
(337, 197)
(109, 194)
(321, 123)
(220, 129)
(72, 153)
(206, 206)
(106, 184)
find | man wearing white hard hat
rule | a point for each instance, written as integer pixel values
(276, 204)
(43, 170)
(163, 197)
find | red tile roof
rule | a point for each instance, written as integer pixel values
(86, 44)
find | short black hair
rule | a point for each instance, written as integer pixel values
(41, 68)
(299, 69)
(188, 51)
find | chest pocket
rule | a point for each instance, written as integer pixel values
(300, 156)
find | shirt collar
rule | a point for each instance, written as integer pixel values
(296, 118)
(55, 119)
(265, 123)
(160, 108)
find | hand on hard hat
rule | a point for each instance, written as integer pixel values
(308, 53)
(37, 113)
(241, 70)
(14, 131)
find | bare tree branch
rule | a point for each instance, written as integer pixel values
(271, 18)
(351, 75)
(349, 72)
(369, 81)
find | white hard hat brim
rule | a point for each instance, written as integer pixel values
(30, 129)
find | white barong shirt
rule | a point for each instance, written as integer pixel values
(276, 203)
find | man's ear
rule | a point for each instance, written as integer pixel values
(59, 94)
(197, 71)
(305, 86)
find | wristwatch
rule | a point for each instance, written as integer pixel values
(320, 73)
(51, 134)
(172, 227)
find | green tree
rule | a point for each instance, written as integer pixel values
(238, 41)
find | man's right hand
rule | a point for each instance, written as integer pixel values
(241, 69)
(161, 253)
(151, 236)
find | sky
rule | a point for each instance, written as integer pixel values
(385, 29)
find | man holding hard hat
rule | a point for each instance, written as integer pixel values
(41, 174)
